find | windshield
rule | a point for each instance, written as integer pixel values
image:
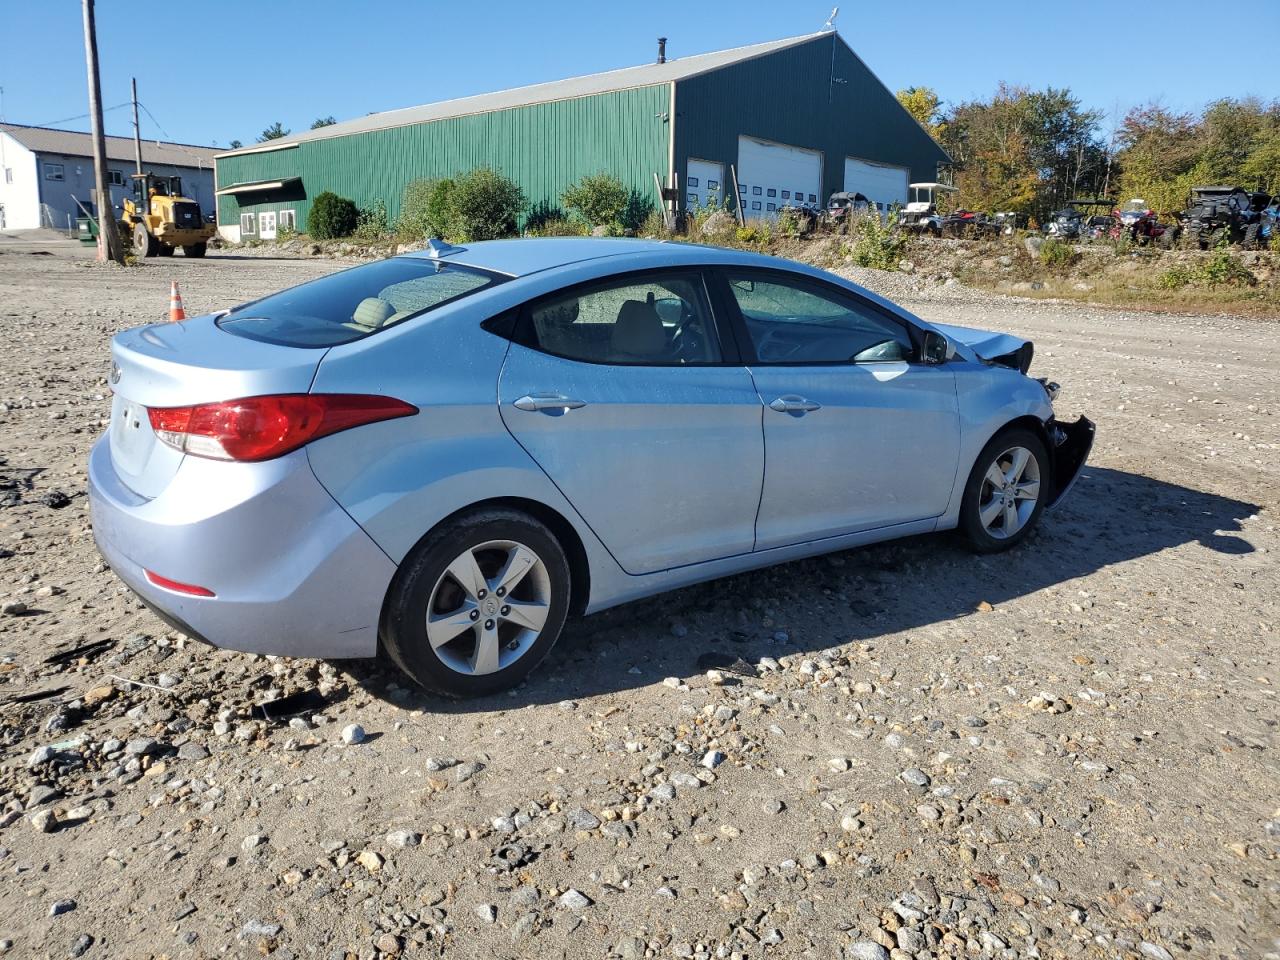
(354, 303)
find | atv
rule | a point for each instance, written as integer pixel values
(1136, 222)
(1215, 212)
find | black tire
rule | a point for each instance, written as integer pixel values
(195, 249)
(144, 245)
(404, 616)
(971, 525)
(1250, 241)
(164, 250)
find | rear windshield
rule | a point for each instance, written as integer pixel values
(354, 303)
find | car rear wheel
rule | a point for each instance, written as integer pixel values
(478, 603)
(1004, 497)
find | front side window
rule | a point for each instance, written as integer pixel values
(801, 321)
(654, 319)
(54, 171)
(354, 303)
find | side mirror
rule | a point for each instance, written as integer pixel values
(936, 349)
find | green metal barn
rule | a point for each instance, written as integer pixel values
(792, 120)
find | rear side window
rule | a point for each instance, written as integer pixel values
(654, 319)
(355, 303)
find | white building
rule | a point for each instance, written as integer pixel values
(43, 173)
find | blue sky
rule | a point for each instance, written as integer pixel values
(258, 61)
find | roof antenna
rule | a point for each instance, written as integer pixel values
(831, 20)
(662, 49)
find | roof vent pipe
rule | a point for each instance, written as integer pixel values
(662, 49)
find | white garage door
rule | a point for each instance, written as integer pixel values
(773, 175)
(882, 184)
(704, 184)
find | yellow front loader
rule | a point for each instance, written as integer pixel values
(160, 219)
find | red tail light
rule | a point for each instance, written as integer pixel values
(177, 586)
(261, 428)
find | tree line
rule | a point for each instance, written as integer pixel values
(1030, 151)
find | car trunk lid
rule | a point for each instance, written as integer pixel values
(177, 364)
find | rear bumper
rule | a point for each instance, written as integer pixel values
(1071, 445)
(292, 573)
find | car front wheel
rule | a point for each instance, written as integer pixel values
(1004, 497)
(478, 603)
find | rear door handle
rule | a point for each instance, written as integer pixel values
(793, 404)
(547, 401)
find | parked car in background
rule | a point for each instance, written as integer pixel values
(452, 451)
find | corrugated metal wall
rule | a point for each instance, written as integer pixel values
(803, 97)
(543, 147)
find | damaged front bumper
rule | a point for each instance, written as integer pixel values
(1071, 445)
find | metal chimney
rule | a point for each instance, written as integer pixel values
(662, 49)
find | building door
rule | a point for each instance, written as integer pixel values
(704, 184)
(267, 225)
(882, 184)
(775, 175)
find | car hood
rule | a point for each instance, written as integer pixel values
(1002, 348)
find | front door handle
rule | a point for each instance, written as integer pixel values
(793, 404)
(548, 401)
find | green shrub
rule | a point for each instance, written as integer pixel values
(373, 224)
(598, 198)
(424, 209)
(1224, 268)
(331, 216)
(1175, 278)
(556, 227)
(755, 233)
(483, 205)
(877, 243)
(654, 224)
(1057, 254)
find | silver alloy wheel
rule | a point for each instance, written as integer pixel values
(1010, 491)
(488, 607)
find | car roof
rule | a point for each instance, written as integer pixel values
(527, 255)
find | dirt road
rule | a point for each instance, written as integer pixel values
(1067, 751)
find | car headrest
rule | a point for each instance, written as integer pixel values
(639, 331)
(373, 312)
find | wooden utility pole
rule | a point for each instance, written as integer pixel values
(109, 246)
(137, 134)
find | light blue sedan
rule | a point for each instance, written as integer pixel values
(454, 450)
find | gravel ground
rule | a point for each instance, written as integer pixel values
(907, 751)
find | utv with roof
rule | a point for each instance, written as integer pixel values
(1213, 212)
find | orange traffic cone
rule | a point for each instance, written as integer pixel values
(176, 312)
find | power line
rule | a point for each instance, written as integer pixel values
(82, 116)
(168, 136)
